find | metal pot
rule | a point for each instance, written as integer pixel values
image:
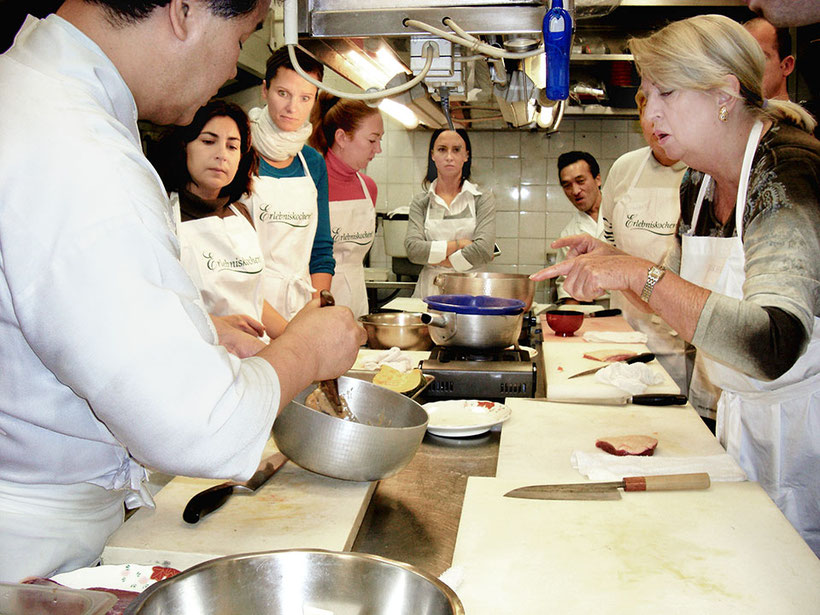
(474, 321)
(404, 330)
(507, 285)
(291, 581)
(390, 431)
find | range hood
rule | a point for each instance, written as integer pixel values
(355, 38)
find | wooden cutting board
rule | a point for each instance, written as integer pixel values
(539, 438)
(724, 550)
(294, 509)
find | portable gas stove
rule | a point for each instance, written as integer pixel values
(468, 373)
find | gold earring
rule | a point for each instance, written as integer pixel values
(723, 113)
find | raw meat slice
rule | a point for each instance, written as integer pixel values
(628, 445)
(609, 354)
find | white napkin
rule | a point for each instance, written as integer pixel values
(393, 357)
(617, 337)
(605, 467)
(453, 577)
(632, 378)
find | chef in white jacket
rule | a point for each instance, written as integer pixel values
(108, 361)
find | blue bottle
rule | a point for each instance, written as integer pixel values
(557, 41)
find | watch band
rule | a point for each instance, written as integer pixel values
(653, 276)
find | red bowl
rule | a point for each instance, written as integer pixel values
(564, 322)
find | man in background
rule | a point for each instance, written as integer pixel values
(580, 177)
(776, 44)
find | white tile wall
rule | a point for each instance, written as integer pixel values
(519, 167)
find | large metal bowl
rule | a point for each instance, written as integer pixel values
(390, 431)
(290, 582)
(404, 330)
(506, 285)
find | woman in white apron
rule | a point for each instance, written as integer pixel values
(452, 224)
(640, 208)
(289, 198)
(211, 168)
(749, 262)
(348, 133)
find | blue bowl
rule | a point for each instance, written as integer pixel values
(475, 304)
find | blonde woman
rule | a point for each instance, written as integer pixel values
(743, 284)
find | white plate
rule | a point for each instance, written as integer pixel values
(130, 577)
(456, 418)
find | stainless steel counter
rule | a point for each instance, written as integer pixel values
(413, 517)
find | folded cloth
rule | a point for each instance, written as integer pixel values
(605, 467)
(632, 378)
(392, 357)
(618, 337)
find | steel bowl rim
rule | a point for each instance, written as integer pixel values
(455, 601)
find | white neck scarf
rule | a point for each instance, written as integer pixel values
(271, 141)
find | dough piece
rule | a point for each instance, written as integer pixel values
(628, 445)
(609, 355)
(391, 378)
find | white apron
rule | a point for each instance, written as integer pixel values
(223, 258)
(772, 428)
(48, 529)
(352, 225)
(660, 207)
(286, 215)
(437, 228)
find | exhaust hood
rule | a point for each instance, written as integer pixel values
(378, 42)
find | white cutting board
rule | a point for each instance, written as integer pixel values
(562, 360)
(725, 550)
(406, 304)
(539, 438)
(294, 509)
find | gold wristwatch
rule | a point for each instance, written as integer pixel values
(653, 276)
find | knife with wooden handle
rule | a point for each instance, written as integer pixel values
(644, 357)
(207, 501)
(609, 491)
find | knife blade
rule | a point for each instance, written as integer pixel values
(644, 357)
(603, 313)
(646, 399)
(210, 499)
(609, 490)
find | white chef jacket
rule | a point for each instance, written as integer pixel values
(578, 223)
(108, 359)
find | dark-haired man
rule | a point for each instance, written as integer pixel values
(580, 178)
(108, 361)
(776, 44)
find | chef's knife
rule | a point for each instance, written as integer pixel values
(209, 500)
(647, 399)
(603, 313)
(609, 491)
(645, 357)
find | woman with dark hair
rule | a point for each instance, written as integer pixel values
(289, 198)
(208, 166)
(452, 223)
(348, 133)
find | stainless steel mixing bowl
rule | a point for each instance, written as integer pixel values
(291, 581)
(390, 429)
(404, 330)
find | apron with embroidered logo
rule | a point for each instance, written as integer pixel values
(772, 428)
(439, 228)
(285, 213)
(640, 217)
(352, 226)
(223, 258)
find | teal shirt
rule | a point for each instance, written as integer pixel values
(321, 255)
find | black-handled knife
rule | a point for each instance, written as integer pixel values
(645, 357)
(647, 399)
(207, 501)
(604, 313)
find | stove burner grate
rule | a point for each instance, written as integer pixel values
(455, 353)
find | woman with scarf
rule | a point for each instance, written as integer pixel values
(289, 199)
(349, 133)
(208, 166)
